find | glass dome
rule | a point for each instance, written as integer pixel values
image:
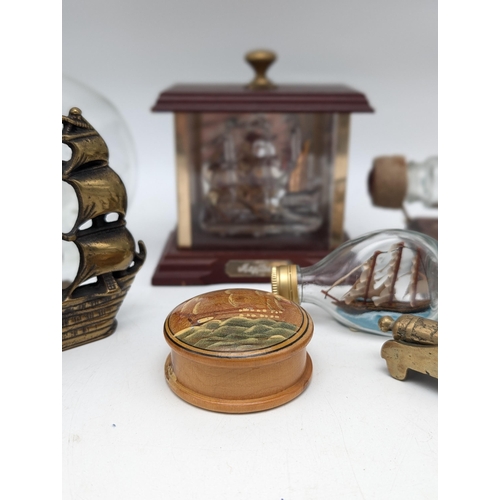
(109, 123)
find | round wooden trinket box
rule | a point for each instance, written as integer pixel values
(238, 350)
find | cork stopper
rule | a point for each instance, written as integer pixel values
(388, 181)
(284, 282)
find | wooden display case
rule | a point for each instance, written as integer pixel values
(261, 176)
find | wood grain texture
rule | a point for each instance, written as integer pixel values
(252, 364)
(180, 266)
(285, 98)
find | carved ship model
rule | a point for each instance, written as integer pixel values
(375, 289)
(108, 260)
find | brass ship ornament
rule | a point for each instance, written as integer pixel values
(108, 260)
(414, 347)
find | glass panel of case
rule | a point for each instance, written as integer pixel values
(260, 178)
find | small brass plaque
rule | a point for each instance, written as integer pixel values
(259, 268)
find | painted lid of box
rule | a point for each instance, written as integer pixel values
(237, 323)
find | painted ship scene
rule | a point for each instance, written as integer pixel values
(392, 281)
(233, 321)
(108, 261)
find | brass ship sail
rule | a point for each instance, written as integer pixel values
(106, 247)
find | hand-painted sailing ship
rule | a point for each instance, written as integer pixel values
(377, 288)
(232, 320)
(108, 260)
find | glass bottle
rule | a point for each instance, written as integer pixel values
(383, 273)
(394, 181)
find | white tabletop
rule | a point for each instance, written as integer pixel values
(354, 433)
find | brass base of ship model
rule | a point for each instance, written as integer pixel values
(89, 315)
(401, 357)
(415, 345)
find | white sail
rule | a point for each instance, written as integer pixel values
(364, 284)
(386, 291)
(381, 282)
(418, 284)
(422, 287)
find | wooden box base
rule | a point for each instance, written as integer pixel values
(202, 267)
(249, 404)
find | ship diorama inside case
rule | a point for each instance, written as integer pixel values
(238, 350)
(261, 174)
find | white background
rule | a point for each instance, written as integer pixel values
(342, 438)
(130, 52)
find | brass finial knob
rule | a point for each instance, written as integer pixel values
(260, 60)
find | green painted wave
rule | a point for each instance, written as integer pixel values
(237, 334)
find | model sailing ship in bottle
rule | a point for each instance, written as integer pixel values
(383, 273)
(108, 261)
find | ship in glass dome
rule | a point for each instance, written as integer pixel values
(108, 261)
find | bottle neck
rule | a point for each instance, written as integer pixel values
(307, 286)
(423, 182)
(300, 285)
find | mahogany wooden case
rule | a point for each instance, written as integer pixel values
(261, 177)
